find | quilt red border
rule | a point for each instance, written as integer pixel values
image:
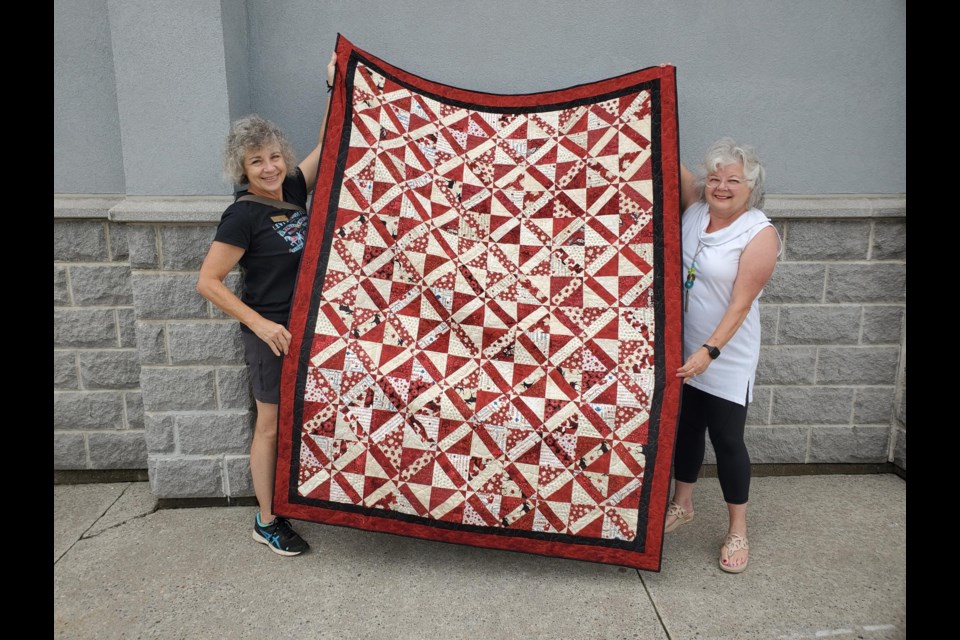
(646, 552)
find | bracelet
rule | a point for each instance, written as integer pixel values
(329, 87)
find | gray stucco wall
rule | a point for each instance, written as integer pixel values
(819, 86)
(86, 125)
(236, 47)
(171, 93)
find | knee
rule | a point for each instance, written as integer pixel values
(266, 425)
(728, 443)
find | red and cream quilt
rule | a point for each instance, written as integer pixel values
(486, 323)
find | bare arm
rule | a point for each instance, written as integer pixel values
(688, 188)
(310, 164)
(757, 263)
(220, 260)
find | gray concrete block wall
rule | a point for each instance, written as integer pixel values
(833, 345)
(197, 408)
(148, 373)
(98, 412)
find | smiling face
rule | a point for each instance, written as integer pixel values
(265, 169)
(727, 191)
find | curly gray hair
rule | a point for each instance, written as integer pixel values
(248, 134)
(726, 151)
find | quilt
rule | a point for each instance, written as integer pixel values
(486, 323)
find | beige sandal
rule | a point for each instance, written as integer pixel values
(733, 543)
(682, 516)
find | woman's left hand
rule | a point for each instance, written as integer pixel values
(331, 68)
(696, 364)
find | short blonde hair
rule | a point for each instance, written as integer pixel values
(249, 133)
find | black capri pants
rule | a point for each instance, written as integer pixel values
(701, 412)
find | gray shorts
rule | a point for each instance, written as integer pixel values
(264, 368)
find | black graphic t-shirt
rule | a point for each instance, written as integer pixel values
(272, 240)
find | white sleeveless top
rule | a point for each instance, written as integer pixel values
(731, 375)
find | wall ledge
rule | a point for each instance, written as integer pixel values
(121, 208)
(864, 205)
(85, 206)
(206, 209)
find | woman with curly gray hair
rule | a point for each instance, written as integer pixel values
(730, 249)
(264, 232)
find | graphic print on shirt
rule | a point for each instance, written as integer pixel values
(293, 230)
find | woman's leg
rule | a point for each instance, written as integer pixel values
(688, 458)
(263, 458)
(726, 426)
(738, 525)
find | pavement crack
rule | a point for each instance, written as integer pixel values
(88, 536)
(85, 536)
(654, 605)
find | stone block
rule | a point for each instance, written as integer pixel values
(769, 317)
(889, 240)
(233, 386)
(79, 241)
(213, 433)
(795, 283)
(809, 240)
(178, 389)
(119, 450)
(65, 370)
(900, 449)
(142, 245)
(84, 328)
(101, 285)
(812, 405)
(61, 290)
(849, 444)
(178, 477)
(239, 479)
(69, 451)
(882, 324)
(819, 324)
(87, 410)
(184, 247)
(167, 296)
(160, 432)
(117, 236)
(133, 400)
(880, 282)
(857, 365)
(873, 405)
(118, 369)
(786, 365)
(151, 343)
(776, 445)
(204, 343)
(758, 411)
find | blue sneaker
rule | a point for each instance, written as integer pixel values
(279, 536)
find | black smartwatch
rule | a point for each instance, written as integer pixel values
(713, 351)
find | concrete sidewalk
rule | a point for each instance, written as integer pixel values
(828, 560)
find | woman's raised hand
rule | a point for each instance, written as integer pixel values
(331, 68)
